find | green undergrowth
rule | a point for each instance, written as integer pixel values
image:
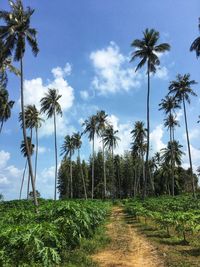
(44, 239)
(81, 257)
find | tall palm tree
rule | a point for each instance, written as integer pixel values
(51, 107)
(14, 34)
(5, 107)
(110, 140)
(181, 90)
(91, 129)
(195, 46)
(170, 122)
(146, 50)
(178, 153)
(67, 149)
(101, 125)
(25, 154)
(168, 105)
(32, 121)
(77, 145)
(139, 134)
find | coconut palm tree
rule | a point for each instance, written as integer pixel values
(169, 105)
(170, 122)
(181, 90)
(178, 153)
(32, 121)
(101, 125)
(139, 134)
(147, 50)
(67, 149)
(15, 32)
(5, 64)
(77, 145)
(5, 107)
(25, 154)
(91, 129)
(110, 140)
(195, 46)
(51, 107)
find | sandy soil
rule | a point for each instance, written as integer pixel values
(128, 248)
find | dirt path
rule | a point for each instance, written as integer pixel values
(128, 248)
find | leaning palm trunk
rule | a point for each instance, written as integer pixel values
(189, 152)
(36, 152)
(93, 168)
(82, 176)
(56, 155)
(104, 169)
(1, 126)
(25, 137)
(148, 129)
(29, 176)
(22, 183)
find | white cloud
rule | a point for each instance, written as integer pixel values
(42, 149)
(195, 154)
(4, 157)
(112, 73)
(58, 72)
(84, 94)
(156, 136)
(48, 173)
(4, 180)
(194, 134)
(13, 171)
(35, 89)
(62, 126)
(162, 73)
(9, 176)
(123, 131)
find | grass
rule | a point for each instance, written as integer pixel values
(80, 257)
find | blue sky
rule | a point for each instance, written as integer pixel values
(85, 52)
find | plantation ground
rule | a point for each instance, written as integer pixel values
(157, 232)
(127, 248)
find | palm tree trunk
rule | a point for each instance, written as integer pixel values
(189, 152)
(135, 181)
(22, 183)
(172, 158)
(71, 181)
(56, 155)
(104, 168)
(93, 167)
(83, 179)
(28, 186)
(148, 133)
(36, 151)
(25, 137)
(29, 176)
(1, 126)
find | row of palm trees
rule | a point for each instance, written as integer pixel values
(16, 33)
(147, 51)
(162, 160)
(33, 121)
(95, 126)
